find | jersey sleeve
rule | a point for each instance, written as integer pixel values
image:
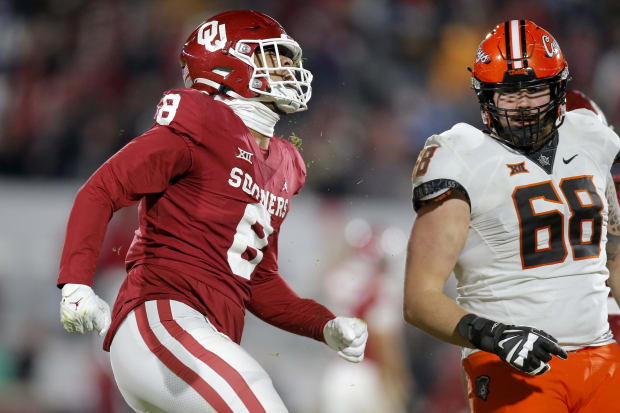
(438, 173)
(273, 301)
(601, 141)
(612, 145)
(196, 115)
(180, 110)
(146, 165)
(298, 165)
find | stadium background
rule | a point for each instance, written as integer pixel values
(79, 79)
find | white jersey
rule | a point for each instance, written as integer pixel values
(535, 251)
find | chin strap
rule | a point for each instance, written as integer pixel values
(254, 114)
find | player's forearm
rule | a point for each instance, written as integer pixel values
(86, 229)
(437, 238)
(144, 166)
(274, 302)
(437, 314)
(300, 316)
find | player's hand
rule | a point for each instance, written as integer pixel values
(525, 348)
(528, 349)
(347, 335)
(82, 311)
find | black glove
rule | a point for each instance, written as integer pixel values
(525, 348)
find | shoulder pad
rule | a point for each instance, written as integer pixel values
(442, 165)
(587, 124)
(462, 138)
(193, 113)
(583, 118)
(298, 162)
(586, 128)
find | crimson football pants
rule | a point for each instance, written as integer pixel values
(167, 357)
(587, 382)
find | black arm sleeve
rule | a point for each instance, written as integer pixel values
(437, 190)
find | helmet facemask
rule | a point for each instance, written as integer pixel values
(520, 77)
(526, 129)
(288, 87)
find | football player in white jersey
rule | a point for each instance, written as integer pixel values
(519, 211)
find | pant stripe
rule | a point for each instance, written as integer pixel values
(219, 365)
(175, 365)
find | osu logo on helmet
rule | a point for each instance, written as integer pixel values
(517, 55)
(226, 54)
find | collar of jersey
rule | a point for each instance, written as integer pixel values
(254, 114)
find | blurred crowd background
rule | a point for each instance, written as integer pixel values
(80, 78)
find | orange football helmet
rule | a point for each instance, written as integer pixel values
(517, 55)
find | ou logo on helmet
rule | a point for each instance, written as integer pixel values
(207, 36)
(551, 46)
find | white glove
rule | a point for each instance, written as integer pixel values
(82, 311)
(347, 336)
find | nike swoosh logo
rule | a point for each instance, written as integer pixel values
(567, 161)
(501, 343)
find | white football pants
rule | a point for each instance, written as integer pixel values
(167, 357)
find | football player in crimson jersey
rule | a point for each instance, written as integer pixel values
(576, 99)
(520, 212)
(214, 187)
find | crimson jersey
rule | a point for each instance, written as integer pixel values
(211, 206)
